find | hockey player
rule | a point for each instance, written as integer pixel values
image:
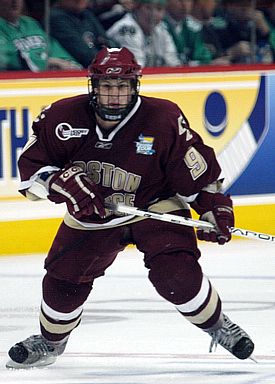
(111, 146)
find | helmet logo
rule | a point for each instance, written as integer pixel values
(113, 70)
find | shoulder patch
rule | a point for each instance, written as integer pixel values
(42, 113)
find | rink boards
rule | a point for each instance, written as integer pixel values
(29, 227)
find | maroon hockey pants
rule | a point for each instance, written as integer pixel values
(77, 257)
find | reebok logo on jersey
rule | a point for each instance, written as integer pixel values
(102, 145)
(64, 131)
(145, 145)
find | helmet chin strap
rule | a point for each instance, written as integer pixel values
(106, 125)
(110, 114)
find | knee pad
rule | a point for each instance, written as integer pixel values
(176, 276)
(64, 296)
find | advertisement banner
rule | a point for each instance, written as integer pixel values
(230, 111)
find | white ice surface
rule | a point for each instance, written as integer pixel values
(130, 335)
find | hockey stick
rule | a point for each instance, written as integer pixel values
(121, 208)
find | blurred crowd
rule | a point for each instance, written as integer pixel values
(39, 35)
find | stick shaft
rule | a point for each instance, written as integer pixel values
(174, 219)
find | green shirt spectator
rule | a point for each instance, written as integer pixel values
(188, 41)
(268, 8)
(24, 44)
(186, 33)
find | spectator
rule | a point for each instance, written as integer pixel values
(100, 6)
(116, 12)
(75, 26)
(268, 8)
(186, 33)
(248, 32)
(24, 44)
(214, 32)
(36, 9)
(144, 33)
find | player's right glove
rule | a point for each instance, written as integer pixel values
(73, 186)
(215, 208)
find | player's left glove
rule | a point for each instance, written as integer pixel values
(215, 208)
(73, 186)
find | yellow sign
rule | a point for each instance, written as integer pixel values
(191, 94)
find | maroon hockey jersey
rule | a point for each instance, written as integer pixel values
(152, 154)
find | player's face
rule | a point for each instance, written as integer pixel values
(114, 93)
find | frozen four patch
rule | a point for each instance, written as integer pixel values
(145, 145)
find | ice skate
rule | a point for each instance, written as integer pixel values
(233, 338)
(35, 351)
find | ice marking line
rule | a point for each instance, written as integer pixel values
(226, 277)
(260, 380)
(250, 277)
(266, 359)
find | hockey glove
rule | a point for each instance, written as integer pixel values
(73, 186)
(216, 209)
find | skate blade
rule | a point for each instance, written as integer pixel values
(39, 364)
(253, 358)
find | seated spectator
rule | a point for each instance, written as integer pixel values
(36, 9)
(213, 28)
(100, 6)
(115, 13)
(268, 8)
(248, 32)
(186, 32)
(75, 26)
(144, 33)
(24, 44)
